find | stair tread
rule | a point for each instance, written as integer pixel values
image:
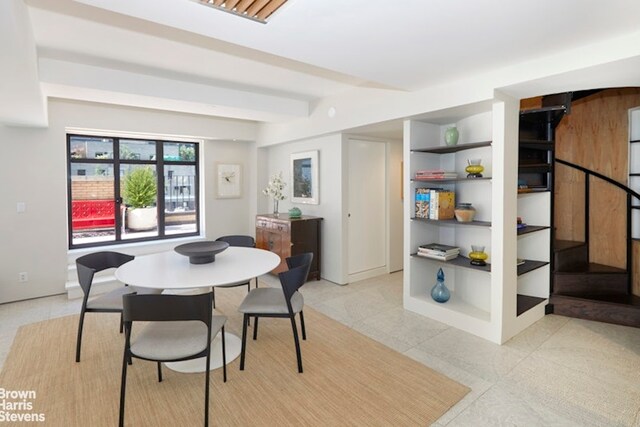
(560, 245)
(626, 300)
(591, 268)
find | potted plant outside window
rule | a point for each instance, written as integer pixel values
(140, 192)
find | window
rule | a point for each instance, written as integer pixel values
(147, 190)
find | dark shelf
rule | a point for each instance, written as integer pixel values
(531, 229)
(536, 167)
(634, 174)
(453, 222)
(543, 110)
(525, 303)
(460, 261)
(452, 148)
(532, 190)
(634, 141)
(465, 179)
(536, 144)
(530, 265)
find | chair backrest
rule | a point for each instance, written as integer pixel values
(291, 281)
(238, 240)
(301, 259)
(160, 307)
(90, 264)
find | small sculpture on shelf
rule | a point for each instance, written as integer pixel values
(439, 292)
(465, 212)
(474, 168)
(478, 256)
(451, 135)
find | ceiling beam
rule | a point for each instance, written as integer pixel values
(73, 80)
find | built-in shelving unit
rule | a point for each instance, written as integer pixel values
(535, 160)
(501, 299)
(470, 307)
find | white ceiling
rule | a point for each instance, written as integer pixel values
(197, 59)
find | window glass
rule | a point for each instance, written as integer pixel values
(149, 190)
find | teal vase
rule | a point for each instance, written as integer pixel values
(295, 212)
(451, 136)
(439, 292)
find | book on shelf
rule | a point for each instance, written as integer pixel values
(438, 257)
(441, 204)
(422, 202)
(439, 248)
(435, 174)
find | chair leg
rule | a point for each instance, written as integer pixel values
(244, 340)
(121, 322)
(213, 296)
(123, 386)
(256, 283)
(224, 357)
(297, 342)
(304, 332)
(159, 372)
(206, 389)
(79, 339)
(255, 328)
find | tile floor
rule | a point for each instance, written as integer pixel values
(558, 372)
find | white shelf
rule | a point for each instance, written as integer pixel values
(488, 304)
(455, 308)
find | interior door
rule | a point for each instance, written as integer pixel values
(367, 206)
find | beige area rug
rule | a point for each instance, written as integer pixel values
(348, 379)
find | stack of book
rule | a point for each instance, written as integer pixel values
(438, 251)
(427, 175)
(434, 203)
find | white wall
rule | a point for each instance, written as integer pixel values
(395, 203)
(34, 172)
(330, 158)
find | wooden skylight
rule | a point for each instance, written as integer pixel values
(257, 10)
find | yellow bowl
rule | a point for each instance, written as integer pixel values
(474, 169)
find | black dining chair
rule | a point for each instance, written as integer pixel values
(242, 241)
(274, 302)
(111, 302)
(177, 328)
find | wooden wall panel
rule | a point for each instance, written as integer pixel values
(531, 103)
(596, 135)
(569, 187)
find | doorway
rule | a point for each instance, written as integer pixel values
(367, 209)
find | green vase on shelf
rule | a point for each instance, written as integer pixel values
(451, 136)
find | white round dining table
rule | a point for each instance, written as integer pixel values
(173, 273)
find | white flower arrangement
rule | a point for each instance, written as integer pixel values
(275, 187)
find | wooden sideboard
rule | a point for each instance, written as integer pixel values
(290, 236)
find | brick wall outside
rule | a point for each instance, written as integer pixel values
(91, 188)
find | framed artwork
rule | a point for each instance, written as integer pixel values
(229, 181)
(304, 178)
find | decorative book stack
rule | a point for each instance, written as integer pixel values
(428, 175)
(438, 251)
(434, 203)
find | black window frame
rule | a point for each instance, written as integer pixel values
(159, 163)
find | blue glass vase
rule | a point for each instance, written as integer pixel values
(439, 292)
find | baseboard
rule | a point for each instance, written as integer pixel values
(368, 274)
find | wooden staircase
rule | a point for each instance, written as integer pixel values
(579, 288)
(591, 291)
